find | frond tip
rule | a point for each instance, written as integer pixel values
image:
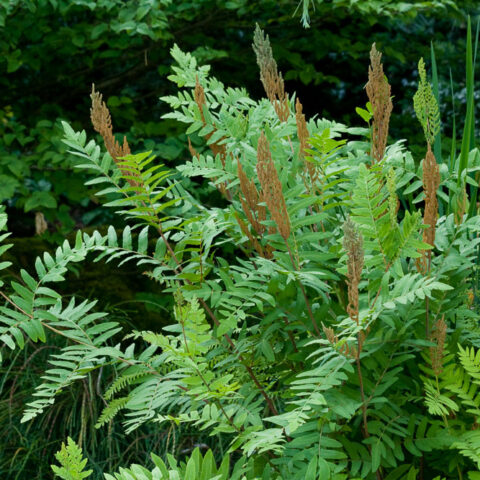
(72, 462)
(379, 93)
(426, 106)
(271, 79)
(102, 123)
(272, 187)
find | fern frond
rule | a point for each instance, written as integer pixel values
(3, 248)
(370, 212)
(111, 410)
(426, 106)
(470, 360)
(460, 383)
(124, 380)
(468, 445)
(72, 462)
(194, 467)
(410, 287)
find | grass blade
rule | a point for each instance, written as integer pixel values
(471, 110)
(437, 147)
(453, 151)
(467, 130)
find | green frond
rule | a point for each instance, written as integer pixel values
(413, 286)
(195, 467)
(460, 383)
(370, 212)
(468, 444)
(3, 248)
(209, 167)
(72, 462)
(470, 360)
(111, 410)
(126, 379)
(438, 404)
(426, 106)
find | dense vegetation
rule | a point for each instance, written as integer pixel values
(52, 51)
(315, 282)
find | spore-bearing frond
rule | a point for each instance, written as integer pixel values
(379, 93)
(426, 106)
(271, 79)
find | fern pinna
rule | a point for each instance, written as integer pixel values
(305, 344)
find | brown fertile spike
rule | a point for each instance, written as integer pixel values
(250, 201)
(353, 245)
(272, 187)
(302, 129)
(262, 209)
(248, 188)
(421, 263)
(461, 206)
(431, 182)
(218, 150)
(303, 135)
(265, 61)
(345, 349)
(192, 150)
(271, 79)
(280, 104)
(99, 113)
(199, 94)
(125, 148)
(246, 231)
(248, 213)
(102, 123)
(436, 353)
(379, 94)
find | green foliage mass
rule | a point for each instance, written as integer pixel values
(426, 106)
(71, 461)
(325, 353)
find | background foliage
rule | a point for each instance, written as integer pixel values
(52, 51)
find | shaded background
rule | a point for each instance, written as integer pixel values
(51, 51)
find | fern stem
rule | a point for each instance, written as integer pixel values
(291, 337)
(362, 392)
(9, 300)
(291, 145)
(427, 300)
(366, 433)
(250, 372)
(227, 337)
(307, 303)
(207, 384)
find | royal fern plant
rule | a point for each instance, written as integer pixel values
(324, 321)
